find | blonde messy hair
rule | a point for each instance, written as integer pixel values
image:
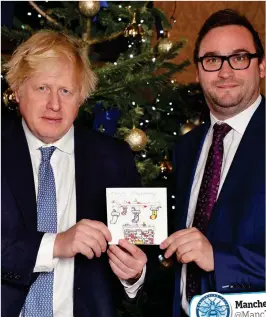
(47, 44)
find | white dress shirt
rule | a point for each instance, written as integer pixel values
(63, 164)
(231, 142)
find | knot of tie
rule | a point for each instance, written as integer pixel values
(47, 152)
(220, 131)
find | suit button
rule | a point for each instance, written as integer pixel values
(17, 277)
(78, 288)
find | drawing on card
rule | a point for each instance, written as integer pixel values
(138, 215)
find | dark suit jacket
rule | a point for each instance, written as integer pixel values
(100, 162)
(237, 226)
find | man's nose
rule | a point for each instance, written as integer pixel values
(54, 101)
(226, 71)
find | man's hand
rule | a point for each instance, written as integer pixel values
(126, 260)
(190, 245)
(87, 237)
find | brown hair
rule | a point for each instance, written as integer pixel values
(224, 18)
(44, 45)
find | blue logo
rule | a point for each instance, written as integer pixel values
(213, 305)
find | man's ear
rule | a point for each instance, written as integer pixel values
(17, 95)
(262, 68)
(197, 75)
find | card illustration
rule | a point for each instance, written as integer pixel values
(137, 214)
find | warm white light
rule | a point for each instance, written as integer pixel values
(129, 45)
(172, 81)
(120, 6)
(170, 103)
(174, 21)
(141, 123)
(147, 121)
(143, 40)
(29, 13)
(39, 16)
(173, 207)
(157, 100)
(161, 32)
(141, 21)
(147, 83)
(153, 108)
(131, 55)
(22, 26)
(172, 109)
(153, 59)
(133, 103)
(174, 133)
(168, 113)
(173, 196)
(115, 63)
(143, 155)
(119, 19)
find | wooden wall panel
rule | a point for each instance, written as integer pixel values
(190, 16)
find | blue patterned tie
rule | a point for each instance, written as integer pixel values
(39, 302)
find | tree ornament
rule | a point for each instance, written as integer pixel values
(185, 128)
(167, 263)
(9, 97)
(89, 8)
(166, 166)
(137, 139)
(164, 45)
(133, 29)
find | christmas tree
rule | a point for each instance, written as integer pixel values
(137, 99)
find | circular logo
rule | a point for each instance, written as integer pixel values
(213, 305)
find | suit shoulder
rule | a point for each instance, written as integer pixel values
(99, 141)
(193, 135)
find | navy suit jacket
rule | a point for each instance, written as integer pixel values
(100, 162)
(237, 226)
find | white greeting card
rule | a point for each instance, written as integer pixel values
(138, 215)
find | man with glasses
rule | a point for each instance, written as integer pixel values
(219, 227)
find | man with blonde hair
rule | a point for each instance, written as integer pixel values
(54, 175)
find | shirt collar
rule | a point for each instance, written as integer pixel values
(65, 144)
(240, 121)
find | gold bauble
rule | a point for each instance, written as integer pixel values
(9, 96)
(185, 128)
(166, 166)
(133, 29)
(167, 263)
(137, 139)
(164, 46)
(89, 8)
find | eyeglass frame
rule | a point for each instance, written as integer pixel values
(226, 58)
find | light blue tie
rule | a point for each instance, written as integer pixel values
(39, 302)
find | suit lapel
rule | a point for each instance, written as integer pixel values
(18, 170)
(252, 144)
(88, 176)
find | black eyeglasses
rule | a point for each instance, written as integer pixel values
(237, 61)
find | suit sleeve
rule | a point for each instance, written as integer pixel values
(19, 246)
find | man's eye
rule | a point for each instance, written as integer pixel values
(212, 60)
(241, 58)
(42, 88)
(65, 91)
